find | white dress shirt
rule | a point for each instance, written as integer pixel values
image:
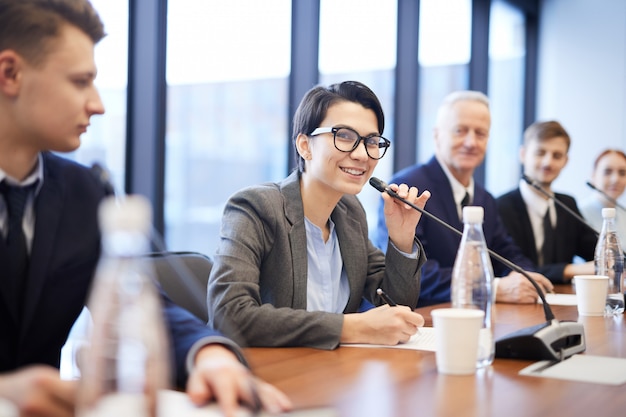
(28, 221)
(536, 206)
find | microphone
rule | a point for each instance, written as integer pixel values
(103, 175)
(608, 197)
(551, 196)
(552, 340)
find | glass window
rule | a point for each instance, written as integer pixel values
(507, 54)
(105, 140)
(444, 52)
(358, 42)
(228, 64)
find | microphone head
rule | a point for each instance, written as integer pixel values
(590, 185)
(379, 184)
(532, 182)
(527, 179)
(102, 174)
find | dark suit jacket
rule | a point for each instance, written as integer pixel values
(573, 237)
(440, 244)
(257, 289)
(65, 251)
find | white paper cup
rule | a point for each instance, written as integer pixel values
(456, 339)
(591, 291)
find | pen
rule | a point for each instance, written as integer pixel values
(256, 405)
(385, 297)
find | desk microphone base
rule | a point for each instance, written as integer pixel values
(553, 341)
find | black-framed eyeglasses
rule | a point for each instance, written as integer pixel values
(347, 140)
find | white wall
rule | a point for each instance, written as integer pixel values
(582, 81)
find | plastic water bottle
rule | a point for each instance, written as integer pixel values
(127, 360)
(609, 261)
(472, 280)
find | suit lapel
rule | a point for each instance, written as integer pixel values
(48, 209)
(528, 238)
(444, 189)
(4, 292)
(562, 246)
(294, 212)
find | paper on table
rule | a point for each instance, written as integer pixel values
(174, 403)
(424, 339)
(560, 299)
(583, 368)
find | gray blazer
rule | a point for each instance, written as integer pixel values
(257, 290)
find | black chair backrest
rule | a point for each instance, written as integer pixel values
(184, 277)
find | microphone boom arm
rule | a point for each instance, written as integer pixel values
(608, 197)
(383, 187)
(551, 196)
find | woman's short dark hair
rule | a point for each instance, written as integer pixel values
(315, 103)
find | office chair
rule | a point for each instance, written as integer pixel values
(184, 277)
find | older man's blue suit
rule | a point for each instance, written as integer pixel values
(440, 244)
(65, 251)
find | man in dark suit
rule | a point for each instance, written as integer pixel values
(461, 135)
(546, 233)
(49, 237)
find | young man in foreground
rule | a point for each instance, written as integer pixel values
(49, 240)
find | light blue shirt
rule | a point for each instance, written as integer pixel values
(28, 221)
(327, 282)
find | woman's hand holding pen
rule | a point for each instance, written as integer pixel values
(384, 325)
(401, 219)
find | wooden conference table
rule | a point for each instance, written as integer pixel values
(387, 382)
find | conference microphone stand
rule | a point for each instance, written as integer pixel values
(551, 196)
(104, 177)
(608, 197)
(552, 340)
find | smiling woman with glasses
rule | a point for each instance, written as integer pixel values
(294, 259)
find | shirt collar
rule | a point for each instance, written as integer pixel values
(35, 175)
(458, 189)
(534, 202)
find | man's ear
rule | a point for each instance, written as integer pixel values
(10, 72)
(522, 154)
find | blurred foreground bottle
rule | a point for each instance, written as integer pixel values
(609, 261)
(472, 279)
(127, 361)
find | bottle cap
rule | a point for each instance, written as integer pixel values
(130, 213)
(608, 213)
(473, 214)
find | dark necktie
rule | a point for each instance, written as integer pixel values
(549, 241)
(17, 251)
(466, 200)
